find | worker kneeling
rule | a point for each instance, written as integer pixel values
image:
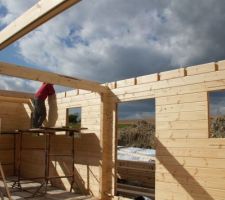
(40, 96)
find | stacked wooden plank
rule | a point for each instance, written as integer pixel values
(136, 173)
(7, 154)
(189, 164)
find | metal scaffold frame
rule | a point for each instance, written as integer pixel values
(48, 133)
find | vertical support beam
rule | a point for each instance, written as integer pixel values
(115, 144)
(106, 143)
(102, 132)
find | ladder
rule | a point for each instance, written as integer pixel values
(5, 183)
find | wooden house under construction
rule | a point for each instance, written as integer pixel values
(189, 164)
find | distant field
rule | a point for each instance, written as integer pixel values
(134, 121)
(217, 126)
(124, 125)
(136, 133)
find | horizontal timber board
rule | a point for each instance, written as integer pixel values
(194, 191)
(193, 106)
(177, 82)
(214, 143)
(179, 99)
(176, 171)
(147, 78)
(182, 125)
(144, 93)
(192, 162)
(182, 134)
(200, 69)
(182, 115)
(208, 182)
(198, 152)
(172, 74)
(126, 82)
(6, 155)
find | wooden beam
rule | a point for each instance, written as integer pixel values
(41, 12)
(14, 100)
(49, 77)
(14, 94)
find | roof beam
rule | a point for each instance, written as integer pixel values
(14, 94)
(41, 12)
(49, 77)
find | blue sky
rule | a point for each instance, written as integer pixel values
(9, 54)
(217, 103)
(108, 40)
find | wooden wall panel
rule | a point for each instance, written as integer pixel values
(142, 173)
(88, 152)
(14, 116)
(189, 164)
(7, 154)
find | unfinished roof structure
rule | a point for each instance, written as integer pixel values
(189, 164)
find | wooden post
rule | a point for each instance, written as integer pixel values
(106, 142)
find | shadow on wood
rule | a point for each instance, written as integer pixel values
(182, 176)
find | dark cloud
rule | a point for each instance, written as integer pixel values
(201, 23)
(108, 40)
(141, 109)
(133, 61)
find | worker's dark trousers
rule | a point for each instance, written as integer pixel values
(39, 114)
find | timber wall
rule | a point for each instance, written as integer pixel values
(13, 116)
(7, 154)
(88, 151)
(137, 173)
(189, 164)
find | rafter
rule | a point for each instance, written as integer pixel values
(32, 18)
(49, 77)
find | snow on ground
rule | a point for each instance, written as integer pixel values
(135, 154)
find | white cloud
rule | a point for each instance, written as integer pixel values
(108, 40)
(15, 84)
(105, 40)
(14, 9)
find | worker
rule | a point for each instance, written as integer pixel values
(40, 96)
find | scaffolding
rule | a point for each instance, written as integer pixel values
(48, 133)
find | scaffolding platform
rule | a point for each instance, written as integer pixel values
(48, 133)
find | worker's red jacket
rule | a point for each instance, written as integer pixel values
(44, 91)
